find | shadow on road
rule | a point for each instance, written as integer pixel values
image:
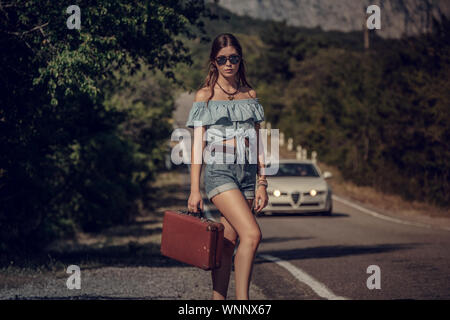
(283, 239)
(305, 214)
(134, 244)
(128, 254)
(333, 251)
(216, 213)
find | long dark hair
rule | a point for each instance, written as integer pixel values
(221, 41)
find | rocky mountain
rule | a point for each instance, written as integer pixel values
(398, 17)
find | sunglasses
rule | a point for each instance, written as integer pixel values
(234, 59)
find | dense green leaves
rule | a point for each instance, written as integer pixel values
(381, 116)
(77, 148)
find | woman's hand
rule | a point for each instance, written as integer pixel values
(261, 198)
(195, 199)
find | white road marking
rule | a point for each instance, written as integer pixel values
(381, 216)
(319, 288)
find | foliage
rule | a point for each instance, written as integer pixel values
(67, 160)
(381, 116)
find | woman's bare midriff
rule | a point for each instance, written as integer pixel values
(232, 142)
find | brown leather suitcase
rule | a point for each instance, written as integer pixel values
(192, 239)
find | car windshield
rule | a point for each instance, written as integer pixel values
(297, 170)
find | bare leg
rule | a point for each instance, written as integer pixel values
(221, 276)
(236, 210)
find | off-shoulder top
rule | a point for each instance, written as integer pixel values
(238, 116)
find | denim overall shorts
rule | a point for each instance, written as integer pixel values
(220, 177)
(220, 115)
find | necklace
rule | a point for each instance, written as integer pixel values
(230, 95)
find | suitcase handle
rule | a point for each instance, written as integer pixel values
(199, 214)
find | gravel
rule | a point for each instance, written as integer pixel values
(155, 283)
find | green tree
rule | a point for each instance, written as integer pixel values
(65, 162)
(380, 116)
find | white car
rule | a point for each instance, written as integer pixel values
(299, 186)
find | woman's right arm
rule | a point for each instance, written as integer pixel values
(196, 167)
(195, 198)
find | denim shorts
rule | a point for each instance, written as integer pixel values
(220, 177)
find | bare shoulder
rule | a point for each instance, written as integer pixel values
(202, 94)
(249, 91)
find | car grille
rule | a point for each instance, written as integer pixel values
(295, 196)
(282, 204)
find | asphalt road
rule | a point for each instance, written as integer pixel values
(327, 257)
(316, 257)
(300, 257)
(413, 261)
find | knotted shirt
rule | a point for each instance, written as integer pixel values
(226, 119)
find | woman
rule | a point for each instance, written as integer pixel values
(227, 101)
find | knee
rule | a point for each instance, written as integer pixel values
(252, 238)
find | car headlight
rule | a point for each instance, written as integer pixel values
(277, 193)
(313, 192)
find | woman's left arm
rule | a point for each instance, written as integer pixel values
(261, 197)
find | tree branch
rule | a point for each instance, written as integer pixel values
(21, 34)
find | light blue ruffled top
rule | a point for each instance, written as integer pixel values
(226, 119)
(219, 111)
